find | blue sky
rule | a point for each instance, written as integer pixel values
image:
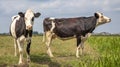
(61, 9)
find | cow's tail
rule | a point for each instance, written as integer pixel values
(52, 23)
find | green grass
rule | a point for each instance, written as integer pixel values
(100, 51)
(108, 48)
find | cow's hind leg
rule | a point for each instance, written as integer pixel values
(48, 42)
(20, 46)
(28, 50)
(15, 46)
(20, 42)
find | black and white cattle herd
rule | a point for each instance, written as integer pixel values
(80, 28)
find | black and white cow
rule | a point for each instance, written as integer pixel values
(79, 28)
(21, 30)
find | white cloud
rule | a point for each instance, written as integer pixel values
(59, 8)
(117, 9)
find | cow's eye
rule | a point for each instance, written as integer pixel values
(33, 19)
(101, 13)
(101, 16)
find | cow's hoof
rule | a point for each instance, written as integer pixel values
(20, 63)
(78, 56)
(51, 56)
(28, 60)
(15, 55)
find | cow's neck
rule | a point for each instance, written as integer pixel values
(28, 33)
(92, 25)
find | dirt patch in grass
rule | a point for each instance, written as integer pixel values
(44, 59)
(14, 65)
(3, 65)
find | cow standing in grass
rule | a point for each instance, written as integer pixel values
(21, 30)
(79, 28)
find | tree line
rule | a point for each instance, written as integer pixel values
(37, 33)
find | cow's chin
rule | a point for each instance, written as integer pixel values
(28, 29)
(101, 23)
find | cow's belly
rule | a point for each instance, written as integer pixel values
(66, 38)
(64, 35)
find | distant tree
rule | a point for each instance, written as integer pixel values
(41, 34)
(35, 32)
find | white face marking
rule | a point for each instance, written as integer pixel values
(107, 19)
(102, 19)
(29, 15)
(13, 25)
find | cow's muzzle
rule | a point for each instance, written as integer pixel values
(29, 27)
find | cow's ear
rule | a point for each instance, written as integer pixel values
(96, 15)
(21, 14)
(37, 14)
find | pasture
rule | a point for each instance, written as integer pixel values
(99, 51)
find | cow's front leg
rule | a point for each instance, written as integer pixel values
(81, 47)
(78, 46)
(48, 42)
(28, 49)
(83, 39)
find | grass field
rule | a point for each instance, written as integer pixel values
(100, 51)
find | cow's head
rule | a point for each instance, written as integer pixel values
(101, 19)
(29, 16)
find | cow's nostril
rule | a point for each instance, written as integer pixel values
(29, 27)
